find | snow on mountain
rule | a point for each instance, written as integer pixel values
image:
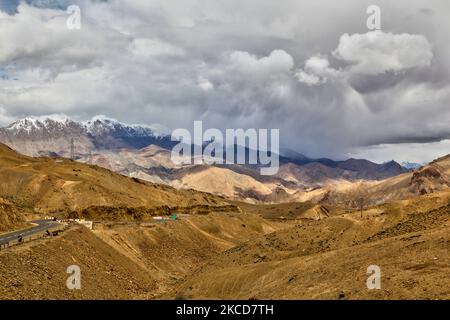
(98, 125)
(102, 124)
(37, 123)
(144, 151)
(53, 133)
(411, 165)
(39, 127)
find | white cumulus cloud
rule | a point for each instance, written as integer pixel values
(316, 71)
(277, 62)
(378, 52)
(205, 84)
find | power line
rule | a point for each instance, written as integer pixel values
(72, 149)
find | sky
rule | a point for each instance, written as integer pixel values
(312, 69)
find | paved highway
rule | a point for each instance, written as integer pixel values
(41, 227)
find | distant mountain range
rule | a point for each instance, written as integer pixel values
(39, 135)
(53, 185)
(144, 151)
(411, 165)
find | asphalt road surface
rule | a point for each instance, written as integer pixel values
(41, 227)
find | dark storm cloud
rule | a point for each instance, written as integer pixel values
(365, 84)
(412, 139)
(312, 69)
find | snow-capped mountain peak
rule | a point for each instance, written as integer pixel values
(35, 123)
(158, 130)
(411, 165)
(97, 125)
(100, 132)
(102, 124)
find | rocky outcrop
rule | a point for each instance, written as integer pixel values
(429, 179)
(10, 216)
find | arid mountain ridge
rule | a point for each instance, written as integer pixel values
(47, 185)
(220, 248)
(144, 152)
(231, 250)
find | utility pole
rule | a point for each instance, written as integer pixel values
(72, 149)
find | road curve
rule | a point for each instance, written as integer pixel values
(41, 227)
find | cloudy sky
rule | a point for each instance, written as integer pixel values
(310, 68)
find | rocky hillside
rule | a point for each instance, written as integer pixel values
(123, 261)
(328, 258)
(10, 216)
(144, 152)
(428, 179)
(52, 185)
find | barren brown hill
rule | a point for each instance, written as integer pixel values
(11, 217)
(37, 270)
(223, 181)
(123, 260)
(429, 179)
(241, 255)
(51, 185)
(303, 250)
(328, 258)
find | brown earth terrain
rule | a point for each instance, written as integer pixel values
(241, 255)
(10, 216)
(56, 185)
(328, 259)
(429, 179)
(122, 260)
(38, 270)
(218, 248)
